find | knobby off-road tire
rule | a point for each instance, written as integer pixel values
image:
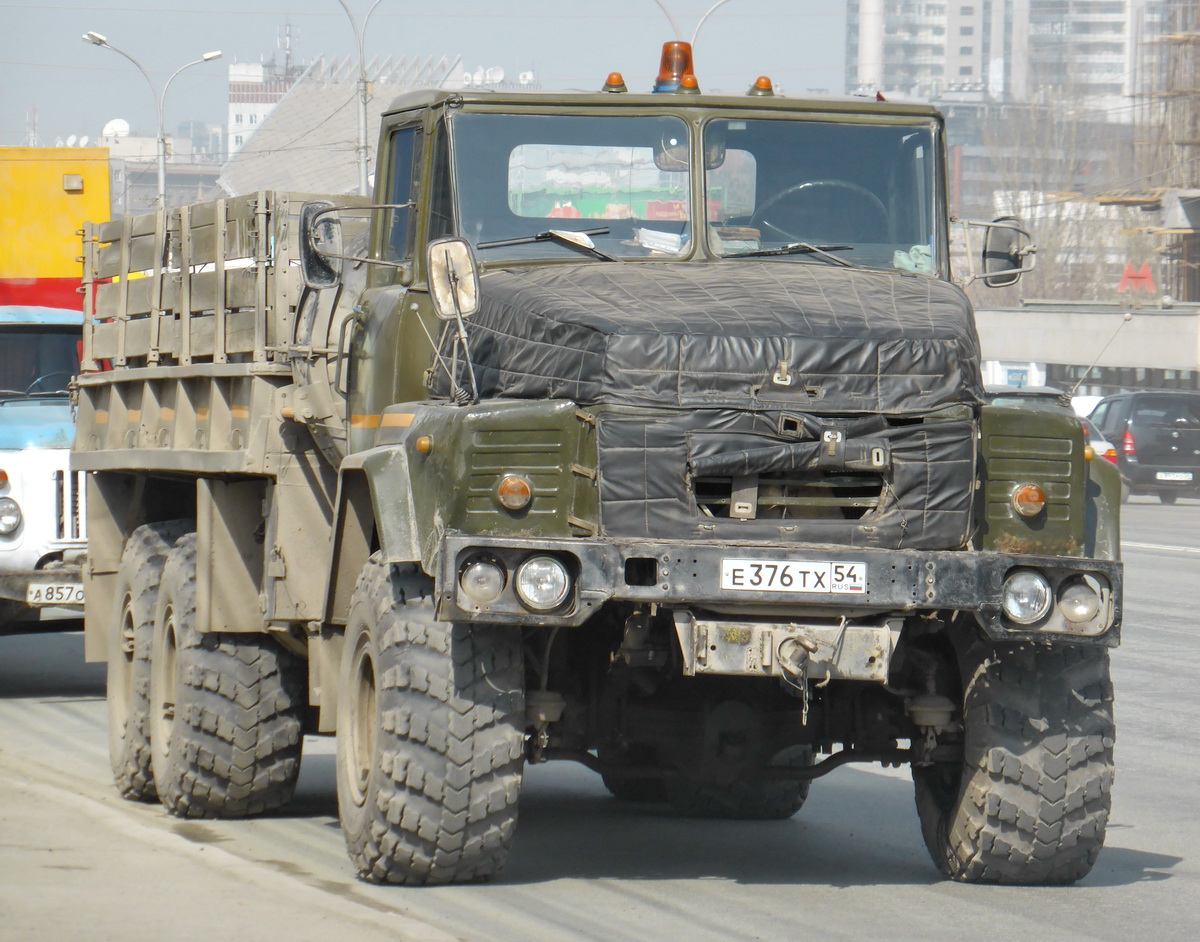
(430, 739)
(746, 800)
(129, 656)
(225, 708)
(1030, 802)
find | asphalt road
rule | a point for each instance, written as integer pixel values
(77, 862)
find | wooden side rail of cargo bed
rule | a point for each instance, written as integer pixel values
(213, 282)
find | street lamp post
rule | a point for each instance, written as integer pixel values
(360, 148)
(96, 39)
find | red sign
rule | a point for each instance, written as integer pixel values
(1136, 280)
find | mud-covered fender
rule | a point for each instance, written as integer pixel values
(385, 502)
(386, 472)
(1102, 508)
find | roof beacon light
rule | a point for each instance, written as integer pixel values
(615, 83)
(762, 87)
(689, 85)
(676, 63)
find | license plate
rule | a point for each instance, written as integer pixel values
(54, 593)
(779, 575)
(1174, 475)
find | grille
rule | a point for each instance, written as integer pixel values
(811, 495)
(69, 492)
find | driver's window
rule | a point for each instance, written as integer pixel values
(731, 195)
(402, 186)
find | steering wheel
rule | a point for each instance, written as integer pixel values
(823, 212)
(45, 377)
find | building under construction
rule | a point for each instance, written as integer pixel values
(1167, 145)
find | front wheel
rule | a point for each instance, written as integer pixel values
(430, 736)
(1029, 802)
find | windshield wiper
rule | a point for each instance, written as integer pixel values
(578, 240)
(799, 248)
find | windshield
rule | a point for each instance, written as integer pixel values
(520, 175)
(37, 361)
(864, 193)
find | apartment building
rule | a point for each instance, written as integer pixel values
(1003, 50)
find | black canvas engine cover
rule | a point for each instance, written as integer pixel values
(649, 466)
(750, 334)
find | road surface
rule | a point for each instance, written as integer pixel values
(77, 862)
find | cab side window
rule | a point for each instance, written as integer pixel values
(441, 204)
(402, 187)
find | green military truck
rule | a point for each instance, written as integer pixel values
(639, 430)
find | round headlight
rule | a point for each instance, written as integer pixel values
(10, 515)
(1026, 597)
(482, 581)
(1079, 602)
(542, 582)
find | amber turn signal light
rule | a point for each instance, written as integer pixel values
(1028, 500)
(514, 492)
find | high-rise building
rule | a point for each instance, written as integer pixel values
(1008, 51)
(255, 88)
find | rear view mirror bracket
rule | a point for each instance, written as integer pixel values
(320, 245)
(1008, 251)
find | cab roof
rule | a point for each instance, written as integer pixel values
(33, 314)
(567, 100)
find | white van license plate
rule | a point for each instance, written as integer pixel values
(1174, 475)
(54, 593)
(780, 575)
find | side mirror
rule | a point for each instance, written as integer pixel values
(320, 245)
(1006, 246)
(453, 278)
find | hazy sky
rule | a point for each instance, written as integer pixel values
(76, 88)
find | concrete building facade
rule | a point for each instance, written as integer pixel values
(1104, 348)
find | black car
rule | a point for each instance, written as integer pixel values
(1157, 435)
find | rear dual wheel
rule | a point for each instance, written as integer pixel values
(225, 709)
(129, 656)
(747, 799)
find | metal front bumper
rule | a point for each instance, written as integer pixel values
(687, 575)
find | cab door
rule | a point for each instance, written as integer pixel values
(375, 338)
